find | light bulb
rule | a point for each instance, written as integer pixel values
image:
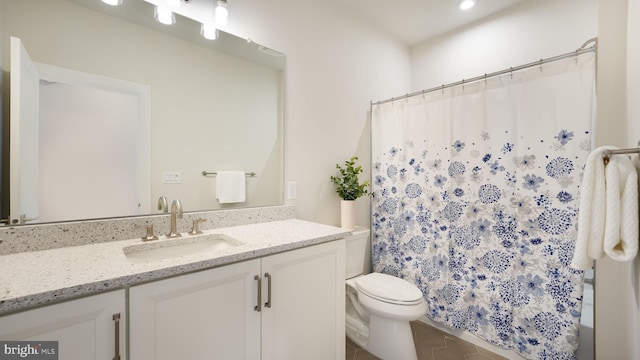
(466, 4)
(209, 31)
(112, 2)
(222, 14)
(164, 15)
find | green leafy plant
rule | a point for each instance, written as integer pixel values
(347, 184)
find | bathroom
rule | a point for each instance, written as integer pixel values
(329, 49)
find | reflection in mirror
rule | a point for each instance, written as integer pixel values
(210, 106)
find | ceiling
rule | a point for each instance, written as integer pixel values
(415, 21)
(411, 21)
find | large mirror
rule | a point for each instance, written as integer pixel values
(130, 110)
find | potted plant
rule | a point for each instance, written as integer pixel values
(349, 188)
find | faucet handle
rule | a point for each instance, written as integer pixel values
(194, 229)
(150, 236)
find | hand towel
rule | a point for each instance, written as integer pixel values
(230, 187)
(591, 217)
(621, 225)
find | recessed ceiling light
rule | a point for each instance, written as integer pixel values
(466, 4)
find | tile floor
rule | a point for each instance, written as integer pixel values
(432, 344)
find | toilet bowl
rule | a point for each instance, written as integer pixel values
(379, 307)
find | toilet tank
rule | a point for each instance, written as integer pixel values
(357, 246)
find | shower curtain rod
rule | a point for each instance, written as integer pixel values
(581, 50)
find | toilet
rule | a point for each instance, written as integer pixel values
(379, 307)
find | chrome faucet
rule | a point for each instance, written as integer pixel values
(163, 204)
(176, 212)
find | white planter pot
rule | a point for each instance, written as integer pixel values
(348, 214)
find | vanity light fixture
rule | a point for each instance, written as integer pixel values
(209, 31)
(221, 13)
(164, 15)
(112, 2)
(174, 3)
(466, 4)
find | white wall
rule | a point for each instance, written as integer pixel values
(336, 64)
(633, 95)
(522, 34)
(617, 286)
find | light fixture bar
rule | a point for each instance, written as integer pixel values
(112, 2)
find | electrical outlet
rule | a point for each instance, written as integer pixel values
(292, 190)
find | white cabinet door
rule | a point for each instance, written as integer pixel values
(305, 319)
(85, 328)
(205, 315)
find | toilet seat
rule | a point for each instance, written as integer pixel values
(389, 289)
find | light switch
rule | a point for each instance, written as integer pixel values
(171, 177)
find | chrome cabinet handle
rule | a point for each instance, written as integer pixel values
(116, 318)
(268, 303)
(258, 307)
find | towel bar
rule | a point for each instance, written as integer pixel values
(608, 153)
(205, 173)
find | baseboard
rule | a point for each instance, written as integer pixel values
(467, 336)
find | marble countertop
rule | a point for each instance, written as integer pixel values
(42, 277)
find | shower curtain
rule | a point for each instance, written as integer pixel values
(475, 200)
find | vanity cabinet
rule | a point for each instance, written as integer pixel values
(284, 306)
(305, 319)
(197, 316)
(88, 328)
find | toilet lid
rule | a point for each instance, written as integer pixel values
(389, 289)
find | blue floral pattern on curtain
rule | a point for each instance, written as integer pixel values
(476, 200)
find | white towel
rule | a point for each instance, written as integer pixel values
(230, 187)
(591, 217)
(608, 218)
(621, 226)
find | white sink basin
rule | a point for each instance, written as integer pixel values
(182, 246)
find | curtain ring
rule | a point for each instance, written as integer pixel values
(540, 65)
(511, 72)
(485, 78)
